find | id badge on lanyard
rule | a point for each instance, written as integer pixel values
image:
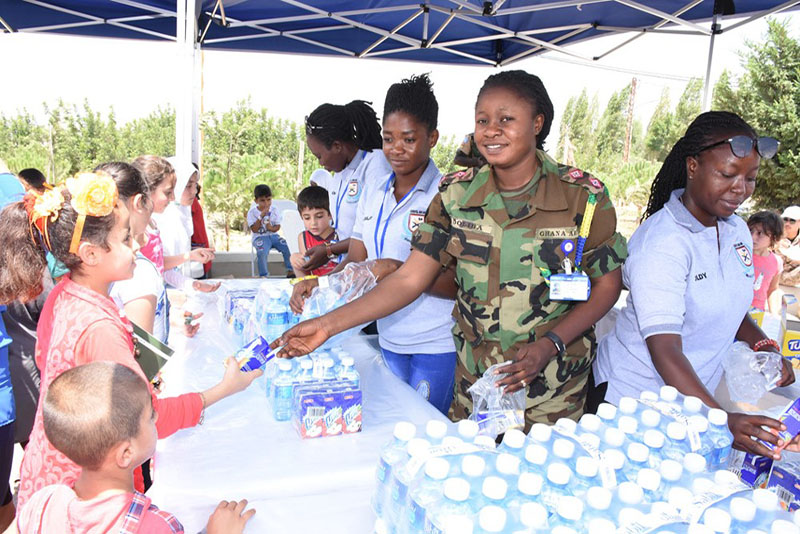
(574, 286)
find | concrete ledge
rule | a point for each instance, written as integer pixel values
(238, 265)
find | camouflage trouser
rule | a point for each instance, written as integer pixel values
(559, 391)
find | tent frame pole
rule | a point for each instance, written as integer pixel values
(187, 94)
(715, 29)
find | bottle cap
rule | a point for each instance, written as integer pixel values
(456, 489)
(765, 500)
(781, 526)
(592, 440)
(653, 439)
(679, 497)
(485, 441)
(284, 365)
(492, 519)
(702, 485)
(648, 479)
(514, 439)
(601, 526)
(507, 464)
(530, 484)
(723, 476)
(699, 528)
(436, 429)
(472, 465)
(628, 424)
(692, 404)
(348, 361)
(628, 405)
(404, 431)
(570, 508)
(598, 498)
(494, 488)
(540, 432)
(614, 437)
(567, 426)
(630, 493)
(452, 441)
(586, 466)
(458, 524)
(699, 423)
(380, 527)
(668, 393)
(606, 411)
(467, 429)
(718, 417)
(651, 418)
(535, 454)
(558, 474)
(418, 446)
(694, 463)
(327, 362)
(650, 396)
(563, 448)
(676, 431)
(629, 515)
(638, 452)
(306, 365)
(533, 515)
(591, 423)
(437, 468)
(742, 510)
(616, 459)
(671, 470)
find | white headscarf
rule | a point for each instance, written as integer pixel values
(175, 224)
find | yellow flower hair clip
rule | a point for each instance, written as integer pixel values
(94, 195)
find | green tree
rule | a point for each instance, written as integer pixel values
(612, 127)
(658, 139)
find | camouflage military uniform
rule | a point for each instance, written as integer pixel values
(503, 298)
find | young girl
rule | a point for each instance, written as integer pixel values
(85, 226)
(766, 228)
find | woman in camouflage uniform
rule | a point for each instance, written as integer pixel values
(508, 228)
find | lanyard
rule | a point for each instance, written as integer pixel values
(379, 249)
(340, 197)
(586, 224)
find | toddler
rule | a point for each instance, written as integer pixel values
(264, 221)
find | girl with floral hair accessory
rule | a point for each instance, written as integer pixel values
(79, 322)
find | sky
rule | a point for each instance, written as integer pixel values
(135, 77)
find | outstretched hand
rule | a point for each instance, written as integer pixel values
(746, 429)
(301, 339)
(230, 517)
(317, 257)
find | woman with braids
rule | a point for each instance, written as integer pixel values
(528, 239)
(415, 342)
(690, 274)
(346, 141)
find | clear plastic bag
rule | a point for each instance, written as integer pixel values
(493, 409)
(355, 280)
(749, 374)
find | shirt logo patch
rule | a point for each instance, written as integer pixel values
(467, 225)
(415, 218)
(352, 188)
(567, 232)
(576, 173)
(744, 254)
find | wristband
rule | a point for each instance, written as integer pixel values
(560, 347)
(766, 342)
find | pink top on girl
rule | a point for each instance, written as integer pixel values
(767, 267)
(153, 250)
(77, 326)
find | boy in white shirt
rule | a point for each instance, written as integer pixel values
(265, 221)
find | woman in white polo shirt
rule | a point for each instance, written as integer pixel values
(416, 341)
(690, 274)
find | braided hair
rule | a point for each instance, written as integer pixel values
(355, 122)
(529, 87)
(415, 97)
(701, 132)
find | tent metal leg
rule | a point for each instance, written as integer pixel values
(187, 90)
(715, 29)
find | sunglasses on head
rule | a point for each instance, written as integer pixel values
(789, 220)
(741, 145)
(311, 128)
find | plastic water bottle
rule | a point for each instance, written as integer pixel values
(558, 479)
(720, 436)
(493, 492)
(671, 473)
(424, 494)
(650, 482)
(435, 431)
(782, 526)
(492, 520)
(648, 397)
(628, 499)
(507, 467)
(569, 513)
(348, 371)
(767, 505)
(282, 389)
(743, 515)
(585, 475)
(473, 468)
(692, 406)
(542, 434)
(700, 425)
(694, 466)
(598, 501)
(650, 419)
(402, 476)
(630, 427)
(533, 519)
(607, 413)
(669, 396)
(513, 443)
(564, 451)
(459, 524)
(677, 445)
(590, 423)
(275, 317)
(392, 453)
(453, 504)
(529, 488)
(486, 442)
(613, 438)
(627, 406)
(467, 430)
(717, 520)
(654, 440)
(306, 369)
(637, 458)
(566, 426)
(601, 525)
(536, 459)
(616, 459)
(328, 374)
(451, 441)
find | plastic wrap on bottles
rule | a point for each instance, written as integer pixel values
(494, 410)
(751, 374)
(353, 281)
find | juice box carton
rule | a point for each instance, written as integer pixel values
(254, 355)
(351, 411)
(784, 481)
(309, 418)
(333, 413)
(751, 469)
(791, 418)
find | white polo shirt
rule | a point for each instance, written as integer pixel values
(385, 227)
(680, 283)
(345, 188)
